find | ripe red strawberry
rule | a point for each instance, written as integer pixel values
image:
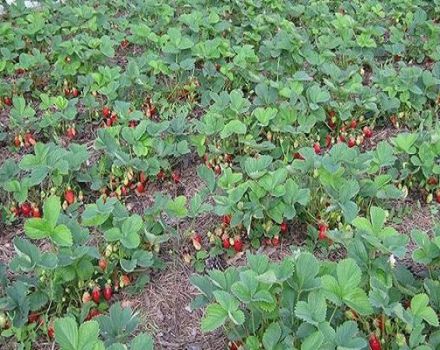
(161, 175)
(296, 155)
(317, 148)
(113, 118)
(197, 241)
(124, 43)
(7, 101)
(69, 196)
(29, 139)
(66, 92)
(374, 342)
(322, 231)
(26, 210)
(197, 237)
(51, 332)
(36, 213)
(86, 297)
(176, 177)
(226, 243)
(132, 123)
(33, 317)
(124, 190)
(108, 292)
(341, 138)
(226, 219)
(367, 132)
(102, 264)
(233, 346)
(432, 181)
(17, 141)
(351, 142)
(353, 124)
(106, 112)
(74, 92)
(238, 245)
(140, 187)
(218, 169)
(142, 177)
(276, 241)
(283, 227)
(96, 294)
(228, 157)
(92, 314)
(71, 133)
(328, 140)
(322, 227)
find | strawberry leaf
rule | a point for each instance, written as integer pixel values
(215, 317)
(313, 311)
(62, 236)
(51, 210)
(37, 228)
(271, 336)
(177, 207)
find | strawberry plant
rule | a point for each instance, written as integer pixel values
(299, 300)
(46, 227)
(114, 329)
(39, 175)
(73, 277)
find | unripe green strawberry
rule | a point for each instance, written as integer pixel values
(3, 320)
(400, 340)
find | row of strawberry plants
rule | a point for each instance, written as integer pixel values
(260, 196)
(73, 277)
(149, 149)
(397, 89)
(362, 301)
